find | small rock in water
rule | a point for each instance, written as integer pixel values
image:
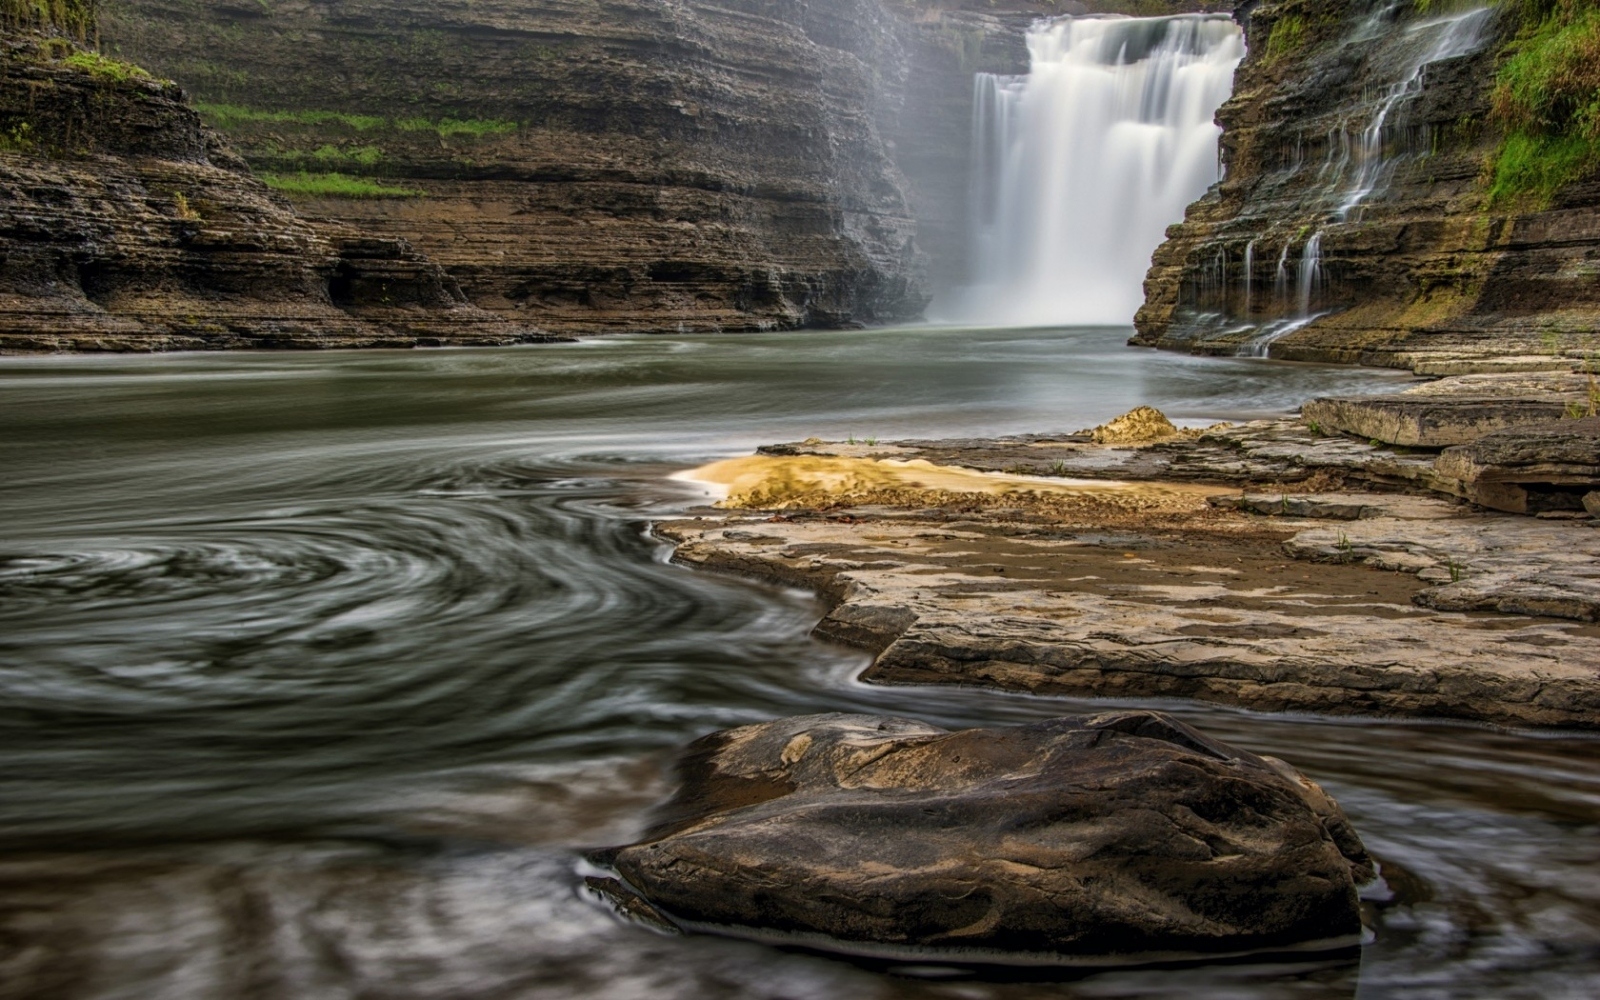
(1138, 426)
(1120, 838)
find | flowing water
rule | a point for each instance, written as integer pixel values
(1080, 166)
(318, 670)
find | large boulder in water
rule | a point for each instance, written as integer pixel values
(1124, 837)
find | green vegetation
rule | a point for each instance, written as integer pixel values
(185, 211)
(1288, 36)
(1590, 408)
(232, 116)
(335, 185)
(366, 156)
(69, 17)
(1547, 98)
(17, 139)
(105, 68)
(475, 127)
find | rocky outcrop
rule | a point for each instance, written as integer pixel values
(1525, 470)
(1356, 222)
(1119, 838)
(126, 224)
(1453, 411)
(1332, 577)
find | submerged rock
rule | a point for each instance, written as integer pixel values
(1119, 838)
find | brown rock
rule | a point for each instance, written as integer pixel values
(1426, 268)
(1523, 470)
(1141, 425)
(1119, 838)
(125, 224)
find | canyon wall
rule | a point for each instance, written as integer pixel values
(1367, 214)
(589, 165)
(600, 165)
(126, 224)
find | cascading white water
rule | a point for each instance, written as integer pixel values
(1080, 166)
(1359, 167)
(1436, 41)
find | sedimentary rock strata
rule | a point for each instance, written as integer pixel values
(1345, 578)
(1549, 467)
(625, 165)
(1356, 217)
(1454, 411)
(125, 224)
(1113, 839)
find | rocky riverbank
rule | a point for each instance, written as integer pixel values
(1277, 565)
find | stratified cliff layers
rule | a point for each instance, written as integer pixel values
(126, 224)
(1370, 210)
(621, 165)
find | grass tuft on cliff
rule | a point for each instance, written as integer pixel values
(1547, 98)
(95, 64)
(335, 185)
(68, 17)
(229, 117)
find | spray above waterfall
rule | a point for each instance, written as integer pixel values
(1080, 166)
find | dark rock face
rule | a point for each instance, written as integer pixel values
(621, 165)
(1424, 266)
(1117, 838)
(125, 224)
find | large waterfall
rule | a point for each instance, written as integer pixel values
(1080, 166)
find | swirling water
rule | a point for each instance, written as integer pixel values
(318, 671)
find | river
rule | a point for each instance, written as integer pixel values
(319, 669)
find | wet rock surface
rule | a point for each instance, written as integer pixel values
(1355, 220)
(1119, 838)
(1337, 575)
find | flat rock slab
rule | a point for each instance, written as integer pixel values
(1452, 411)
(1117, 839)
(1523, 470)
(1412, 613)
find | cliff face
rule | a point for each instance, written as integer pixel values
(1356, 221)
(620, 164)
(126, 224)
(595, 165)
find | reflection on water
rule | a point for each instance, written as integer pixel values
(318, 668)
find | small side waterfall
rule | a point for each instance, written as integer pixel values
(1362, 154)
(1080, 166)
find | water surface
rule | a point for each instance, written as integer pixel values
(318, 669)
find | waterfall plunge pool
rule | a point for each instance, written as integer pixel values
(319, 669)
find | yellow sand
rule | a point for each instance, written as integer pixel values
(771, 482)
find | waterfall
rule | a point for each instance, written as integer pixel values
(1080, 166)
(1310, 277)
(1249, 276)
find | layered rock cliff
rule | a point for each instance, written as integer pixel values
(1365, 214)
(126, 224)
(622, 164)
